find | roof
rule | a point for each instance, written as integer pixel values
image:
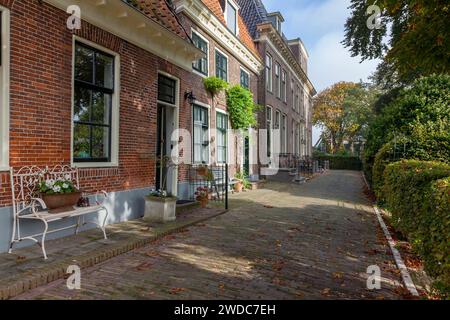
(217, 8)
(160, 12)
(253, 12)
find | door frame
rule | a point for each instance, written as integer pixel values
(176, 120)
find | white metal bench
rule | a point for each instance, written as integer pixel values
(27, 205)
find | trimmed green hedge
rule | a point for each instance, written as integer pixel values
(341, 162)
(417, 193)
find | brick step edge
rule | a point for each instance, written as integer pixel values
(57, 270)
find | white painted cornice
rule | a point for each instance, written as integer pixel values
(208, 22)
(130, 24)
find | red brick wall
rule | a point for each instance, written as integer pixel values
(40, 98)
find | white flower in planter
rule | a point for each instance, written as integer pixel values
(65, 186)
(56, 189)
(49, 183)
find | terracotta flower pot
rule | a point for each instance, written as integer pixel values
(203, 202)
(238, 187)
(202, 171)
(57, 203)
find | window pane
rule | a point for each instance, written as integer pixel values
(81, 141)
(201, 65)
(104, 67)
(231, 18)
(101, 106)
(82, 104)
(84, 61)
(100, 142)
(166, 89)
(245, 81)
(221, 66)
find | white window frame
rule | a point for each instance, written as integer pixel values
(284, 129)
(278, 80)
(228, 135)
(269, 73)
(236, 7)
(207, 55)
(115, 108)
(284, 78)
(208, 107)
(215, 63)
(270, 128)
(4, 87)
(248, 73)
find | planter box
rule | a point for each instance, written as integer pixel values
(160, 209)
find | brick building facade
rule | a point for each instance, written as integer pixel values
(284, 89)
(43, 93)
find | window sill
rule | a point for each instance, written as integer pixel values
(198, 73)
(4, 169)
(95, 165)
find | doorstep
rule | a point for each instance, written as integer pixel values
(26, 269)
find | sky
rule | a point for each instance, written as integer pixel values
(320, 24)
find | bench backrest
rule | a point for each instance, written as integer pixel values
(25, 182)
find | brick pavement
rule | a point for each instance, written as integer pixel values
(310, 241)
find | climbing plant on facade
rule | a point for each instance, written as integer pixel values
(241, 108)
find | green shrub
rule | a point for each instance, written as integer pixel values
(340, 162)
(421, 114)
(417, 193)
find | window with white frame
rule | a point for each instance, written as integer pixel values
(269, 130)
(4, 88)
(293, 93)
(302, 102)
(283, 134)
(201, 134)
(221, 66)
(277, 80)
(231, 15)
(94, 91)
(245, 79)
(283, 86)
(201, 65)
(222, 137)
(269, 78)
(277, 125)
(297, 98)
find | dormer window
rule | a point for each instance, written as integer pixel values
(231, 16)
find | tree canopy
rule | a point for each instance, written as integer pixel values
(413, 38)
(343, 111)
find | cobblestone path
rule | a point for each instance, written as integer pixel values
(311, 241)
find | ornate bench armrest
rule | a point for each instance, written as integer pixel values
(38, 201)
(100, 193)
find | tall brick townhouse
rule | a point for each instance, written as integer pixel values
(106, 97)
(285, 89)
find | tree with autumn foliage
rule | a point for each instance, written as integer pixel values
(413, 38)
(343, 112)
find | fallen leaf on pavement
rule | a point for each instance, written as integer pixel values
(177, 290)
(338, 275)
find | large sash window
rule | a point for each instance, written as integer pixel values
(201, 135)
(93, 94)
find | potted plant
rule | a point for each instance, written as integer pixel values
(160, 206)
(59, 195)
(202, 196)
(202, 171)
(239, 184)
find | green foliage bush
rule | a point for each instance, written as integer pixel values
(421, 115)
(417, 193)
(241, 107)
(214, 85)
(340, 162)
